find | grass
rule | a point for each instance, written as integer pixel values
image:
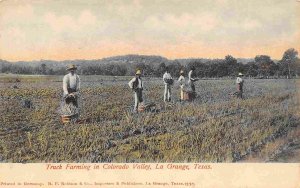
(214, 128)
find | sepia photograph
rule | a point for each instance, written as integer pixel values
(149, 84)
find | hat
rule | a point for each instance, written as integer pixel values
(181, 72)
(138, 72)
(241, 74)
(71, 67)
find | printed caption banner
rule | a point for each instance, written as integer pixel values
(149, 175)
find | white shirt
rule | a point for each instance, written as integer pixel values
(140, 83)
(239, 80)
(181, 81)
(167, 76)
(72, 82)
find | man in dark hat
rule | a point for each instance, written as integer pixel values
(71, 85)
(136, 85)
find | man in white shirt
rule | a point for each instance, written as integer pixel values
(192, 79)
(240, 84)
(71, 85)
(168, 81)
(181, 81)
(136, 85)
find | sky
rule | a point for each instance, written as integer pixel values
(94, 29)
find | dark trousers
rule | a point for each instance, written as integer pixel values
(138, 98)
(193, 87)
(240, 94)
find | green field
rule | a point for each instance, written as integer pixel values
(216, 127)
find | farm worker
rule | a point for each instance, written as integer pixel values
(240, 83)
(181, 81)
(71, 85)
(192, 79)
(136, 85)
(168, 81)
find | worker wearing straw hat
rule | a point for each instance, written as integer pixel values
(136, 85)
(240, 84)
(181, 81)
(71, 85)
(168, 81)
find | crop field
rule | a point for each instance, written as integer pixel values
(216, 127)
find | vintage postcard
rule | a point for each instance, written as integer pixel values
(149, 93)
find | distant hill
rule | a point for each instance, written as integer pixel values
(125, 59)
(130, 59)
(151, 65)
(3, 63)
(244, 60)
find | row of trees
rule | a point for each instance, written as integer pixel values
(261, 66)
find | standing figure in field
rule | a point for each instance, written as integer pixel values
(181, 81)
(192, 79)
(240, 84)
(71, 87)
(168, 81)
(136, 85)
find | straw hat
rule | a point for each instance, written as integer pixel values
(138, 72)
(241, 74)
(71, 67)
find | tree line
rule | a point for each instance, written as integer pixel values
(262, 66)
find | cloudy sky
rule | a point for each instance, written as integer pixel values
(93, 29)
